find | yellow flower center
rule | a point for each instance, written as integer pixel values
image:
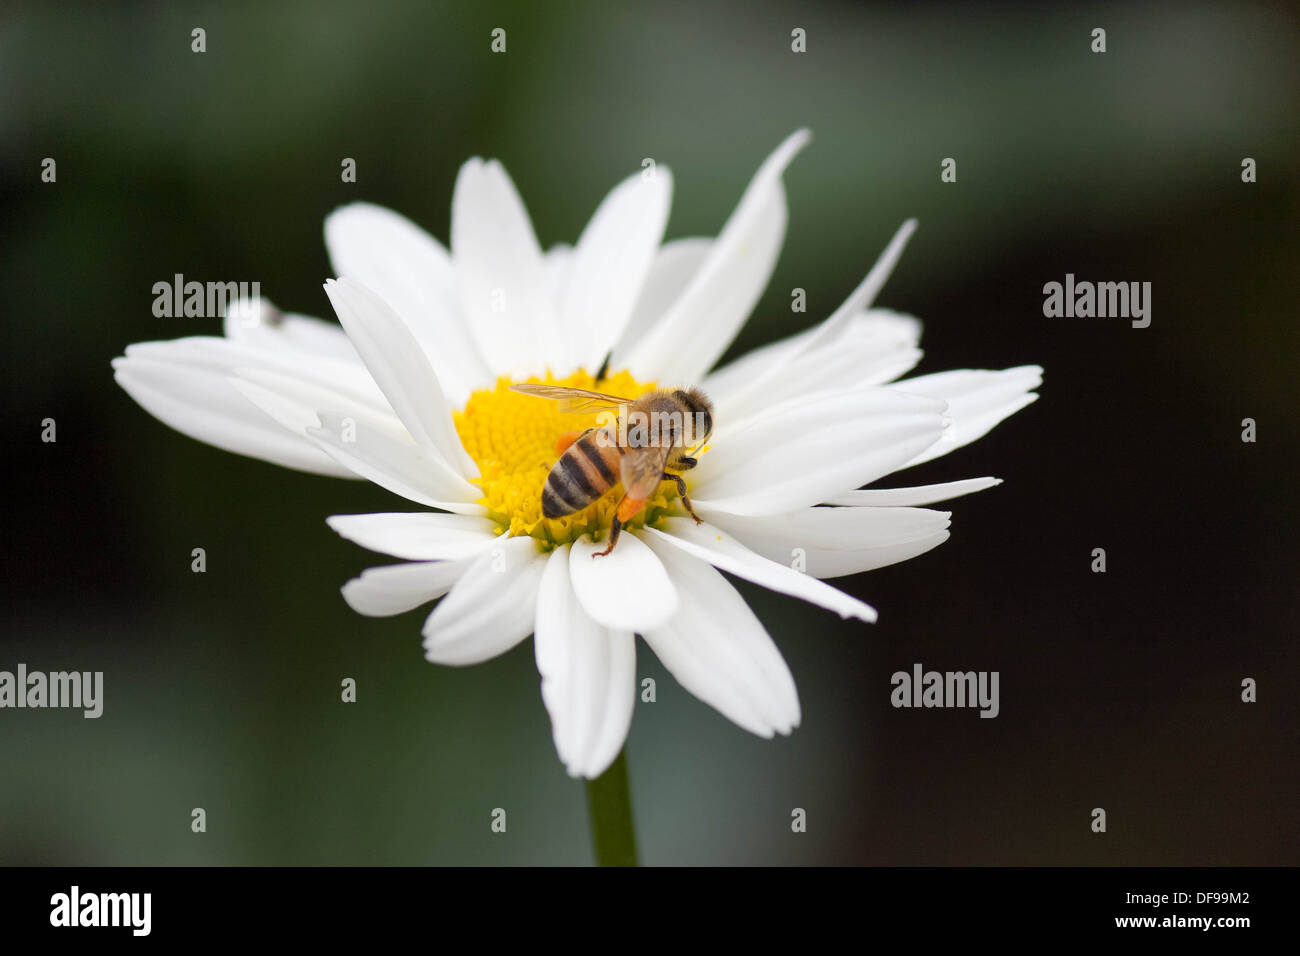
(512, 438)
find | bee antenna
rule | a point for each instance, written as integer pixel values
(604, 366)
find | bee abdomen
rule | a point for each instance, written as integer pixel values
(580, 477)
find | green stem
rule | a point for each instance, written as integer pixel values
(609, 801)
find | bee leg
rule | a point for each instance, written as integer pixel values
(614, 530)
(686, 463)
(680, 482)
(564, 441)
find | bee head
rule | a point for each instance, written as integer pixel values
(701, 410)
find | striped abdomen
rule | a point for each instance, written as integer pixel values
(587, 469)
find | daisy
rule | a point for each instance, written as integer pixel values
(413, 393)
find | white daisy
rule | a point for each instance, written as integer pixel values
(412, 393)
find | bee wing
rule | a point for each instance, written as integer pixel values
(642, 469)
(572, 399)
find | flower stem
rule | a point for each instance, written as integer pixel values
(609, 801)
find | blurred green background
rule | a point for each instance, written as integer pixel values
(222, 689)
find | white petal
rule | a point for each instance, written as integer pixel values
(200, 402)
(715, 304)
(292, 402)
(504, 291)
(710, 543)
(401, 370)
(872, 348)
(977, 400)
(412, 272)
(625, 590)
(258, 323)
(490, 609)
(859, 299)
(394, 462)
(918, 495)
(588, 674)
(558, 265)
(396, 588)
(831, 542)
(675, 264)
(718, 650)
(203, 355)
(609, 266)
(806, 450)
(347, 378)
(418, 536)
(873, 334)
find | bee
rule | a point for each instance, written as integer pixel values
(651, 438)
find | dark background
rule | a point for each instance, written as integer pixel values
(1118, 690)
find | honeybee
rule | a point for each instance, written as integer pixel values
(653, 436)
